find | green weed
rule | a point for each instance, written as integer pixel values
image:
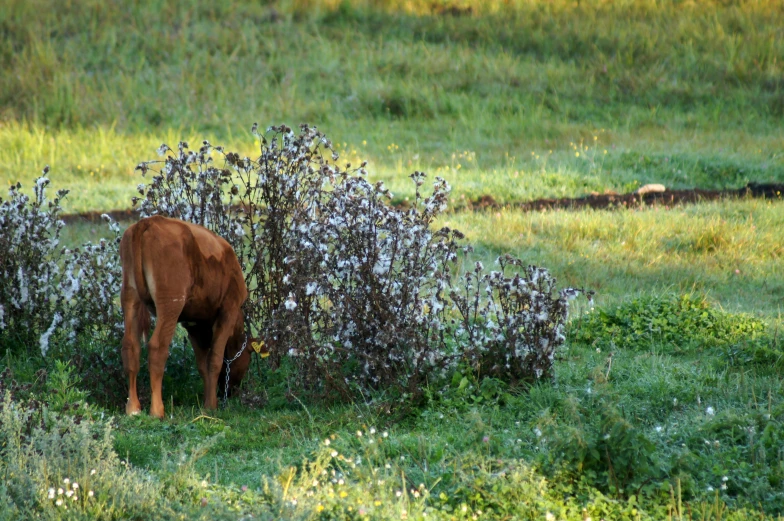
(685, 322)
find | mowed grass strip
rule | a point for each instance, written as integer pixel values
(730, 250)
(98, 165)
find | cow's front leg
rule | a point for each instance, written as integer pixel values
(201, 340)
(158, 346)
(221, 331)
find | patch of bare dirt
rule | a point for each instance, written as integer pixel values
(608, 201)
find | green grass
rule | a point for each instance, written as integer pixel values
(729, 250)
(625, 254)
(517, 100)
(692, 94)
(519, 455)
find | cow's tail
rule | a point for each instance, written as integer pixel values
(131, 259)
(136, 255)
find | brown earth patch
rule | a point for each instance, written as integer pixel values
(607, 201)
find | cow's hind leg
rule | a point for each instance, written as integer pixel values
(135, 317)
(168, 313)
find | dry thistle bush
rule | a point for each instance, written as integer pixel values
(29, 262)
(47, 290)
(92, 276)
(512, 326)
(358, 294)
(367, 285)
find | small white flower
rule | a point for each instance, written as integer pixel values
(725, 479)
(334, 453)
(59, 492)
(51, 493)
(75, 486)
(709, 411)
(58, 502)
(291, 304)
(326, 442)
(658, 428)
(92, 472)
(90, 494)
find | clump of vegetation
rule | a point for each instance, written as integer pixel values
(30, 263)
(512, 326)
(47, 289)
(62, 465)
(357, 292)
(672, 322)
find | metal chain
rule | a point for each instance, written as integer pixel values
(228, 366)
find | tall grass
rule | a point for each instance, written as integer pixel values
(93, 87)
(203, 63)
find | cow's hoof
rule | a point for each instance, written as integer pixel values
(132, 409)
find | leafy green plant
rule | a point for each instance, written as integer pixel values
(63, 389)
(467, 390)
(674, 322)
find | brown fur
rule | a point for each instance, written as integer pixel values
(181, 272)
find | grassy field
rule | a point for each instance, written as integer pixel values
(662, 408)
(501, 98)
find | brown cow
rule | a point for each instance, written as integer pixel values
(181, 272)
